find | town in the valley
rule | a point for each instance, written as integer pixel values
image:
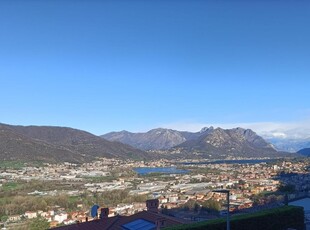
(63, 194)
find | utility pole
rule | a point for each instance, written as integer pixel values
(226, 191)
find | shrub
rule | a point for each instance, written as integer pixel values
(272, 219)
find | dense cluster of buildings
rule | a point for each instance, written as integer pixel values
(171, 191)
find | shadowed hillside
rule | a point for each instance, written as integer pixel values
(59, 144)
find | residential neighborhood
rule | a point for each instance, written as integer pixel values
(250, 185)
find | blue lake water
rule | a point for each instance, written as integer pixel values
(166, 170)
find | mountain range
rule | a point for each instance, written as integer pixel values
(59, 144)
(155, 139)
(207, 143)
(305, 152)
(289, 145)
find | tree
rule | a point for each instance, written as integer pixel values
(272, 199)
(39, 223)
(211, 205)
(4, 218)
(289, 188)
(42, 205)
(196, 207)
(190, 204)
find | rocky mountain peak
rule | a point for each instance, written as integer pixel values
(206, 129)
(234, 142)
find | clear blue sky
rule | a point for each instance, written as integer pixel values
(112, 65)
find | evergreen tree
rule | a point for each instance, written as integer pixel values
(39, 223)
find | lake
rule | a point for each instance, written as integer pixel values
(165, 170)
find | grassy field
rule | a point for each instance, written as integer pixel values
(10, 186)
(18, 164)
(11, 164)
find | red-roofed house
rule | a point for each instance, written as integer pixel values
(150, 219)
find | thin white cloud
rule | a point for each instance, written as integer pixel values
(291, 130)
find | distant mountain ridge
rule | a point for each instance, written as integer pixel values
(304, 152)
(58, 144)
(153, 139)
(208, 143)
(14, 146)
(289, 145)
(223, 143)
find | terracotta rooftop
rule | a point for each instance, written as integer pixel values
(116, 222)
